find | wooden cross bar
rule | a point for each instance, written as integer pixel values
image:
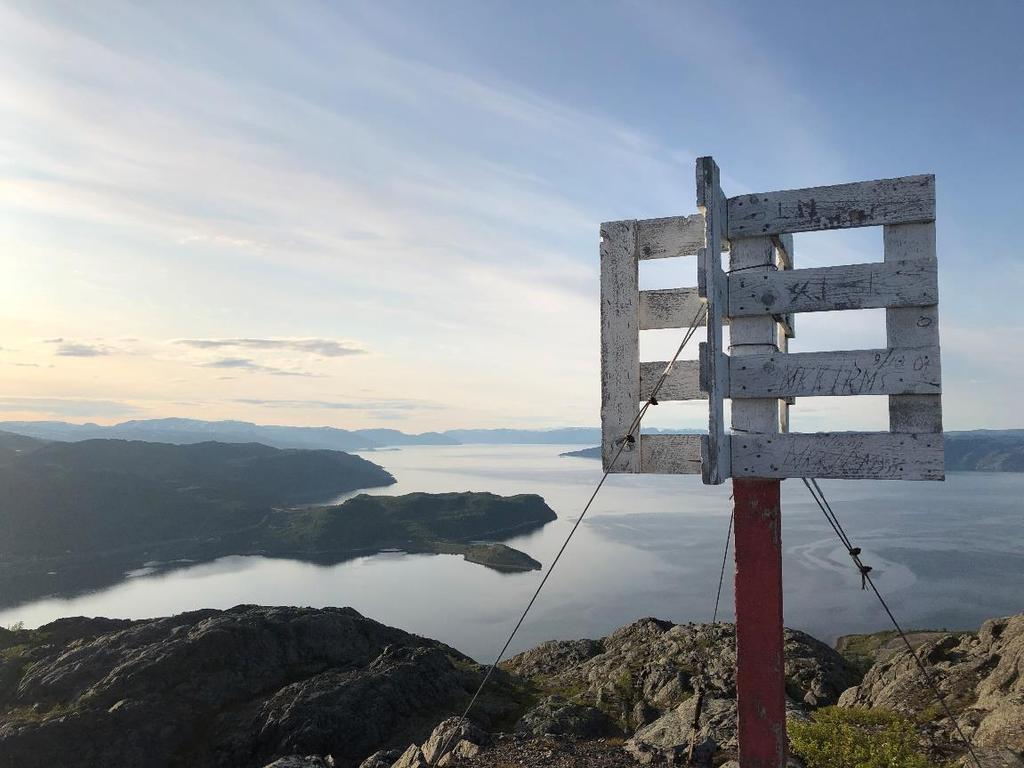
(758, 299)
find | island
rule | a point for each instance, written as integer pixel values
(465, 523)
(500, 557)
(584, 453)
(79, 516)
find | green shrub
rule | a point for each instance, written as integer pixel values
(857, 738)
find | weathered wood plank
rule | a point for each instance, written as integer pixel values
(913, 326)
(620, 343)
(786, 260)
(786, 402)
(841, 455)
(712, 282)
(682, 382)
(670, 236)
(753, 336)
(860, 204)
(670, 454)
(893, 371)
(670, 308)
(784, 247)
(821, 289)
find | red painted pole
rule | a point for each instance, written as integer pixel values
(760, 669)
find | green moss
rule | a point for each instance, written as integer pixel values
(931, 713)
(861, 651)
(576, 692)
(857, 738)
(624, 684)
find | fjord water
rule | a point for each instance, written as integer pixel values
(947, 555)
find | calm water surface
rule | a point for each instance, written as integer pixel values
(945, 554)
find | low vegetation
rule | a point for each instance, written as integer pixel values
(857, 738)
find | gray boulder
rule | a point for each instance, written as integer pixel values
(411, 758)
(297, 761)
(382, 758)
(558, 717)
(448, 735)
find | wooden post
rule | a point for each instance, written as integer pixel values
(760, 668)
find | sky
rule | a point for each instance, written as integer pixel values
(364, 214)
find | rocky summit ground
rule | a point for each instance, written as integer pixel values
(227, 688)
(305, 688)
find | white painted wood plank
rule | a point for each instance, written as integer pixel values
(670, 236)
(682, 382)
(820, 289)
(860, 204)
(900, 370)
(786, 259)
(620, 337)
(913, 326)
(784, 247)
(842, 455)
(671, 454)
(712, 283)
(669, 308)
(784, 403)
(753, 336)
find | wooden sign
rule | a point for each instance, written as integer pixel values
(758, 300)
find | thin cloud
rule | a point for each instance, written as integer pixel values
(324, 347)
(251, 366)
(83, 350)
(68, 348)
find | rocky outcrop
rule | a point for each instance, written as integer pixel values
(305, 688)
(557, 717)
(240, 687)
(642, 676)
(981, 677)
(452, 740)
(296, 761)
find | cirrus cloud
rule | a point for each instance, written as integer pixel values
(315, 346)
(251, 366)
(68, 348)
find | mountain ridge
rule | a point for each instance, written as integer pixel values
(185, 431)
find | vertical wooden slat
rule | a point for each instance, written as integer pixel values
(713, 287)
(753, 336)
(913, 327)
(620, 337)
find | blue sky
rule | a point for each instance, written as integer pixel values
(365, 214)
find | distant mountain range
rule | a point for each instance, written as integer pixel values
(185, 431)
(985, 450)
(980, 450)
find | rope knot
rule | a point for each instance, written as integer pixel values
(864, 571)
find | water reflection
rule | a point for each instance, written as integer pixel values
(945, 554)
